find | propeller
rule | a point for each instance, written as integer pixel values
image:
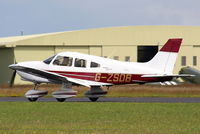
(13, 76)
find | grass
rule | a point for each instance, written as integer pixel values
(116, 91)
(98, 118)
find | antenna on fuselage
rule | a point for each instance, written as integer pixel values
(111, 54)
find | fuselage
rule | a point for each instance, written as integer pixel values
(92, 69)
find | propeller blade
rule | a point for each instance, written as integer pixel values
(13, 75)
(13, 78)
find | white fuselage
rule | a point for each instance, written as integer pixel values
(107, 67)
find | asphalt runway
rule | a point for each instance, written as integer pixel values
(108, 99)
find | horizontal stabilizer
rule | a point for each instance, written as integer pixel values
(165, 75)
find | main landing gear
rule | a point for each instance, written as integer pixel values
(65, 92)
(94, 93)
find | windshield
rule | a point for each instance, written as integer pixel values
(48, 61)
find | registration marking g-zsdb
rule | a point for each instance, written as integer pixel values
(114, 77)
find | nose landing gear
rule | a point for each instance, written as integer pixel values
(33, 94)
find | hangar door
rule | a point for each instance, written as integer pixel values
(146, 53)
(6, 58)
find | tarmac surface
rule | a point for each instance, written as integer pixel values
(109, 99)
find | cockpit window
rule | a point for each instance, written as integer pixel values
(48, 61)
(94, 65)
(80, 63)
(63, 61)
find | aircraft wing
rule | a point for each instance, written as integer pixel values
(57, 78)
(87, 83)
(172, 75)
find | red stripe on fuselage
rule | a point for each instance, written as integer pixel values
(114, 78)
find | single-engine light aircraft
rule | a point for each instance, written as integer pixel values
(69, 68)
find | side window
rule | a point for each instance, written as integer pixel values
(63, 61)
(80, 63)
(94, 64)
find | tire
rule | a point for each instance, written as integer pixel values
(32, 99)
(93, 99)
(61, 99)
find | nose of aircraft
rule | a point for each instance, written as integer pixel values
(13, 66)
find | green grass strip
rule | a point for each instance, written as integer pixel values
(99, 118)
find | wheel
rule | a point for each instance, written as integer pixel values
(61, 99)
(93, 99)
(32, 99)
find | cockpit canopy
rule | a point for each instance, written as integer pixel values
(70, 62)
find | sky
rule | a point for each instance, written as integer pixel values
(45, 16)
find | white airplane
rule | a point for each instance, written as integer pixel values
(69, 68)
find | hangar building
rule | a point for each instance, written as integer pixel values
(131, 43)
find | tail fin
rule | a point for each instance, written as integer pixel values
(165, 59)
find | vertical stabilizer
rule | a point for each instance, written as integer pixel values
(165, 59)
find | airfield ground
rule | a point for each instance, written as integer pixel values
(102, 117)
(115, 91)
(98, 118)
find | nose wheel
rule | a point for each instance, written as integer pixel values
(33, 94)
(93, 99)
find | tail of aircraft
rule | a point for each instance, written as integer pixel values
(165, 59)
